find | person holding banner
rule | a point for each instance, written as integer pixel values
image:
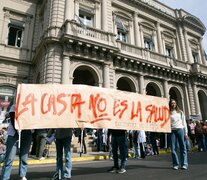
(178, 135)
(118, 138)
(81, 140)
(11, 149)
(63, 141)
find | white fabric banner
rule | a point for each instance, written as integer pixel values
(71, 106)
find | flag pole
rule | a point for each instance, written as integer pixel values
(19, 143)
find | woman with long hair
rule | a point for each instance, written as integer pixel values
(178, 135)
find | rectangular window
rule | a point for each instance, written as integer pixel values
(148, 44)
(195, 57)
(122, 36)
(169, 51)
(15, 34)
(121, 30)
(86, 19)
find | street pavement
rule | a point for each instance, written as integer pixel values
(150, 168)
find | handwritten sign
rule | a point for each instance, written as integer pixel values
(61, 106)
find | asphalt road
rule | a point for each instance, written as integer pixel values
(151, 168)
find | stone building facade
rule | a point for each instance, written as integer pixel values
(141, 46)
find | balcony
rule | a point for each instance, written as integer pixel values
(89, 33)
(151, 57)
(101, 38)
(198, 68)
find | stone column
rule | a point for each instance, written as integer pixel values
(97, 15)
(67, 14)
(76, 7)
(187, 47)
(187, 100)
(175, 49)
(178, 48)
(154, 37)
(66, 70)
(204, 62)
(104, 15)
(141, 36)
(5, 27)
(141, 85)
(106, 81)
(130, 33)
(136, 30)
(27, 30)
(197, 106)
(159, 39)
(199, 55)
(163, 43)
(181, 42)
(166, 92)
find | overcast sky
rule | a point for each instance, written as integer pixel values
(197, 8)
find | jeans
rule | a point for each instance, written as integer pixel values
(200, 141)
(119, 142)
(136, 149)
(205, 139)
(177, 136)
(40, 146)
(65, 144)
(2, 158)
(11, 149)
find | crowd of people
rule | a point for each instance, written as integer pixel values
(185, 135)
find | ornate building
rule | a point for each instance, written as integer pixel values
(141, 46)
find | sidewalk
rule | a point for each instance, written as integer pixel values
(90, 156)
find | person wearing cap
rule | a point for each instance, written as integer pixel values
(11, 149)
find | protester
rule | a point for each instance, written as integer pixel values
(83, 143)
(118, 138)
(2, 150)
(94, 136)
(11, 149)
(105, 140)
(110, 145)
(141, 139)
(191, 131)
(199, 135)
(34, 143)
(3, 134)
(40, 143)
(205, 134)
(63, 141)
(153, 141)
(100, 140)
(136, 144)
(178, 135)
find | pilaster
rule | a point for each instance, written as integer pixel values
(166, 93)
(136, 30)
(182, 43)
(159, 39)
(197, 106)
(104, 15)
(187, 47)
(203, 60)
(106, 80)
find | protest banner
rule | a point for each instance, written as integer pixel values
(72, 106)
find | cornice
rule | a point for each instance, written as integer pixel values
(153, 9)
